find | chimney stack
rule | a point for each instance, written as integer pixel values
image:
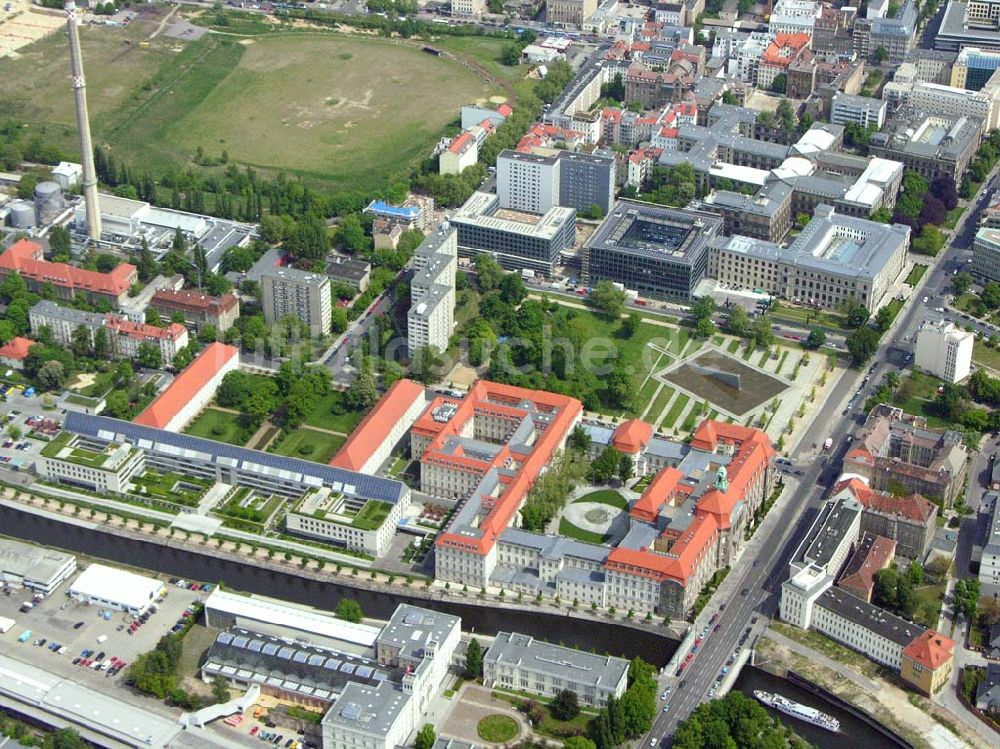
(83, 124)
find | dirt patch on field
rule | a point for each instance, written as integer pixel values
(24, 24)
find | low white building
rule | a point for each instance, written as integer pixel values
(944, 350)
(67, 174)
(359, 524)
(34, 567)
(116, 589)
(107, 470)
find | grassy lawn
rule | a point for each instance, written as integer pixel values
(928, 604)
(604, 497)
(986, 357)
(373, 109)
(915, 274)
(497, 729)
(646, 394)
(308, 444)
(485, 51)
(569, 530)
(333, 413)
(765, 355)
(675, 410)
(165, 486)
(372, 515)
(220, 426)
(807, 317)
(733, 345)
(660, 403)
(550, 726)
(951, 219)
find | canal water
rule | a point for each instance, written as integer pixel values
(854, 732)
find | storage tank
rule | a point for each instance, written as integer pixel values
(22, 214)
(48, 201)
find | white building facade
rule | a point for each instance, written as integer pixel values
(944, 350)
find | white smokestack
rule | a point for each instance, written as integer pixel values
(83, 124)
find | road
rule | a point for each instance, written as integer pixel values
(753, 587)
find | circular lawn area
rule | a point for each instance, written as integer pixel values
(497, 729)
(604, 497)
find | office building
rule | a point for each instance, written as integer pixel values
(985, 266)
(287, 292)
(26, 258)
(468, 8)
(935, 99)
(36, 568)
(432, 291)
(957, 31)
(517, 239)
(860, 110)
(944, 350)
(199, 310)
(894, 37)
(973, 68)
(569, 12)
(536, 183)
(124, 338)
(931, 145)
(660, 252)
(835, 259)
(192, 389)
(983, 14)
(520, 663)
(894, 449)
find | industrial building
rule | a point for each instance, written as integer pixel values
(944, 350)
(431, 317)
(116, 589)
(835, 259)
(518, 240)
(288, 292)
(191, 390)
(520, 663)
(658, 251)
(34, 567)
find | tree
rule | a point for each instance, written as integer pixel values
(881, 54)
(512, 289)
(738, 322)
(565, 705)
(630, 324)
(349, 610)
(626, 468)
(703, 307)
(338, 319)
(961, 282)
(59, 242)
(704, 328)
(351, 234)
(425, 737)
(761, 331)
(510, 55)
(102, 346)
(234, 389)
(857, 315)
(220, 690)
(862, 345)
(148, 355)
(606, 466)
(608, 298)
(474, 659)
(52, 375)
(816, 339)
(308, 239)
(579, 439)
(489, 272)
(779, 83)
(81, 341)
(363, 392)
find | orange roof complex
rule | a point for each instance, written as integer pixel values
(27, 258)
(631, 436)
(915, 507)
(195, 386)
(370, 434)
(930, 649)
(480, 521)
(16, 349)
(783, 49)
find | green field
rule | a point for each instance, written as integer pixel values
(220, 426)
(675, 410)
(659, 404)
(332, 413)
(344, 110)
(308, 444)
(986, 357)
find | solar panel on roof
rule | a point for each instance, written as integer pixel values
(286, 653)
(347, 668)
(301, 657)
(364, 671)
(255, 645)
(316, 660)
(269, 649)
(333, 664)
(224, 638)
(240, 642)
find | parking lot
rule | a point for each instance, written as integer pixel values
(78, 627)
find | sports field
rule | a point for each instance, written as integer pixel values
(347, 111)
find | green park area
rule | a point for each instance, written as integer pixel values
(221, 426)
(332, 412)
(308, 444)
(986, 356)
(171, 487)
(608, 497)
(371, 110)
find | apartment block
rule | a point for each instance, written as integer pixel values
(538, 182)
(860, 110)
(989, 563)
(569, 12)
(944, 350)
(288, 292)
(432, 291)
(198, 309)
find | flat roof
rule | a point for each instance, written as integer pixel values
(86, 707)
(479, 210)
(840, 516)
(411, 628)
(31, 562)
(371, 710)
(576, 666)
(125, 588)
(649, 230)
(300, 620)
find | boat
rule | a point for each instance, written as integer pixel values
(802, 712)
